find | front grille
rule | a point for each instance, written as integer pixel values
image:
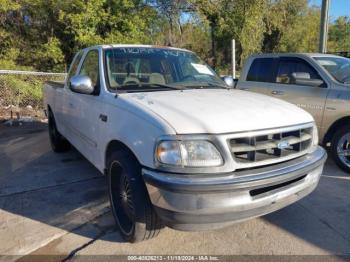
(276, 145)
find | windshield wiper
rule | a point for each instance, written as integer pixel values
(207, 85)
(147, 87)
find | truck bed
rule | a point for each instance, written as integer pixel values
(55, 84)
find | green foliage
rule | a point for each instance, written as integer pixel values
(23, 90)
(339, 35)
(260, 26)
(171, 12)
(50, 56)
(292, 26)
(45, 34)
(86, 23)
(49, 32)
(8, 5)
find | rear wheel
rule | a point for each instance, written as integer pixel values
(58, 142)
(130, 203)
(340, 148)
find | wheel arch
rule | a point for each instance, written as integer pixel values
(334, 127)
(116, 145)
(48, 110)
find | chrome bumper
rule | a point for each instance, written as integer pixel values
(207, 201)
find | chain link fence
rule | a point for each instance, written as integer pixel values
(21, 93)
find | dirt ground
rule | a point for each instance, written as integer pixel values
(7, 113)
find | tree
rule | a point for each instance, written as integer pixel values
(105, 21)
(241, 20)
(339, 35)
(291, 26)
(45, 34)
(49, 32)
(171, 13)
(8, 50)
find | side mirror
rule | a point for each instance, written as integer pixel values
(229, 81)
(309, 82)
(301, 78)
(81, 84)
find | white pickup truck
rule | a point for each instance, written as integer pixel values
(178, 146)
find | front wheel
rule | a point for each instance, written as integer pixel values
(340, 148)
(130, 203)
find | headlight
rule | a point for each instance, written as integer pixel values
(188, 154)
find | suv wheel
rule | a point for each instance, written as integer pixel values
(132, 209)
(340, 148)
(58, 142)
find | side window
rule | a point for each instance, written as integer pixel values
(261, 70)
(290, 68)
(90, 67)
(74, 66)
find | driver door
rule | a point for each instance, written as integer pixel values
(85, 110)
(310, 98)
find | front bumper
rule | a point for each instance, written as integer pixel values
(208, 201)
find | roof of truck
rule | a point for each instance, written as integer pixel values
(140, 46)
(294, 54)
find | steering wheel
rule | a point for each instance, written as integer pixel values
(131, 80)
(188, 78)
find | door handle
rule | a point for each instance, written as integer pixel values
(103, 118)
(243, 88)
(277, 92)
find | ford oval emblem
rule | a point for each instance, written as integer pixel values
(283, 144)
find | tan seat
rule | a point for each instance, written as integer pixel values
(284, 79)
(156, 78)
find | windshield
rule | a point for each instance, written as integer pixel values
(338, 67)
(157, 69)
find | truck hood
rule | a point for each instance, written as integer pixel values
(215, 111)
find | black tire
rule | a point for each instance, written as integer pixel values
(340, 142)
(58, 142)
(131, 207)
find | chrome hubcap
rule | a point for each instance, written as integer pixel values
(343, 149)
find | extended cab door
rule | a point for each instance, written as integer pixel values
(62, 115)
(298, 82)
(259, 75)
